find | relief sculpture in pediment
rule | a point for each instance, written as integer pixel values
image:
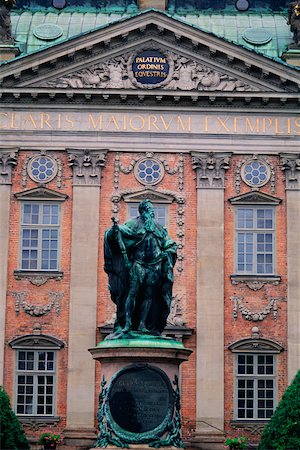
(185, 75)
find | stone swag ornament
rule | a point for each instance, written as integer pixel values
(139, 260)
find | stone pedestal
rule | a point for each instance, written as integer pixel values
(139, 402)
(292, 56)
(8, 51)
(156, 4)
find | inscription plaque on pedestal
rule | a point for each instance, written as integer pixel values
(140, 401)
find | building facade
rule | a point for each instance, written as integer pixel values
(182, 109)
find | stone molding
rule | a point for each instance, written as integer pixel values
(37, 310)
(87, 166)
(254, 316)
(35, 423)
(290, 164)
(255, 344)
(255, 282)
(210, 169)
(37, 278)
(8, 160)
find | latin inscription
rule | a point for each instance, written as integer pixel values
(139, 400)
(152, 123)
(150, 67)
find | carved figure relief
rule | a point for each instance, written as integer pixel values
(185, 74)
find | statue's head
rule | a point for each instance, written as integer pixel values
(146, 208)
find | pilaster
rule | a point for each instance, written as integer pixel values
(87, 167)
(8, 159)
(291, 166)
(210, 171)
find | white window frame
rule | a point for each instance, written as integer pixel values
(255, 231)
(40, 226)
(255, 377)
(35, 373)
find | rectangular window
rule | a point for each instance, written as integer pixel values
(255, 387)
(35, 377)
(40, 226)
(160, 212)
(255, 240)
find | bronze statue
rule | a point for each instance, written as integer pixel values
(5, 23)
(294, 20)
(139, 260)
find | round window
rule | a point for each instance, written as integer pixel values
(255, 173)
(149, 171)
(42, 169)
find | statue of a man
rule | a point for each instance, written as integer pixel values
(294, 20)
(5, 23)
(139, 260)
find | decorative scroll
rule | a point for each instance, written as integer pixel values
(185, 75)
(290, 164)
(87, 166)
(254, 316)
(210, 168)
(37, 310)
(8, 159)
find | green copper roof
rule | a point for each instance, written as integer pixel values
(227, 25)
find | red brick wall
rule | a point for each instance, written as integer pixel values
(51, 324)
(254, 300)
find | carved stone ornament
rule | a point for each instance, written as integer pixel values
(175, 317)
(210, 169)
(26, 168)
(184, 75)
(37, 278)
(254, 316)
(8, 159)
(37, 310)
(239, 174)
(87, 166)
(255, 428)
(290, 164)
(255, 283)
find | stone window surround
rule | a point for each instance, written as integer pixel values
(40, 194)
(36, 342)
(254, 345)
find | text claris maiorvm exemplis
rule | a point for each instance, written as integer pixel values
(150, 122)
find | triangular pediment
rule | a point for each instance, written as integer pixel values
(151, 194)
(41, 193)
(102, 61)
(254, 198)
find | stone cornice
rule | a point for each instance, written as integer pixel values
(242, 101)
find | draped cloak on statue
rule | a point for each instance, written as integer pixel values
(119, 258)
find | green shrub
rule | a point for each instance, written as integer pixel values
(237, 443)
(283, 429)
(12, 435)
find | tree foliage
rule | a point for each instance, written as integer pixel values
(12, 435)
(283, 429)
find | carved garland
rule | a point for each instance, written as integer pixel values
(238, 175)
(254, 316)
(58, 177)
(180, 200)
(37, 310)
